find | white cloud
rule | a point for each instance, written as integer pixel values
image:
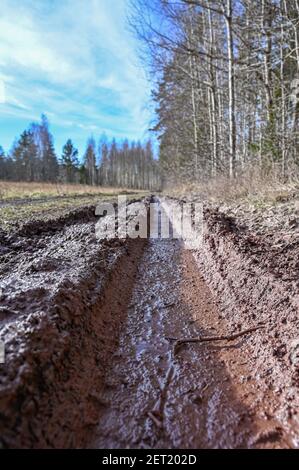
(74, 59)
(2, 91)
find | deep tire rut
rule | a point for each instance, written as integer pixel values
(203, 407)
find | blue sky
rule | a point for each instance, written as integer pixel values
(75, 61)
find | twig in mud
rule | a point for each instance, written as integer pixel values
(169, 304)
(203, 339)
(204, 388)
(155, 420)
(157, 413)
(170, 338)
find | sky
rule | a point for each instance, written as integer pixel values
(77, 62)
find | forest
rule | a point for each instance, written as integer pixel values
(33, 158)
(225, 85)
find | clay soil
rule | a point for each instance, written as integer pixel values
(91, 330)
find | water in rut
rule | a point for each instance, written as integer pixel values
(153, 398)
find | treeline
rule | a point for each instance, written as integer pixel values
(33, 158)
(226, 76)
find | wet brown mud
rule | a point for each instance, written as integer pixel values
(63, 293)
(237, 264)
(208, 398)
(201, 408)
(89, 328)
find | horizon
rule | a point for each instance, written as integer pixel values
(103, 138)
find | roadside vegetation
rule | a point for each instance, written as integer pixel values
(225, 78)
(251, 188)
(10, 190)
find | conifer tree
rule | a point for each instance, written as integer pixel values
(69, 161)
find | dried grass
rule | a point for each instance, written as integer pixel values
(16, 190)
(251, 185)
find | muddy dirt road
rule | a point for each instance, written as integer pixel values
(200, 406)
(90, 330)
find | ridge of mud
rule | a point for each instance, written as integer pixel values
(249, 293)
(63, 299)
(36, 227)
(56, 222)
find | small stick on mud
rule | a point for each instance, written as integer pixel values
(203, 339)
(155, 420)
(157, 413)
(169, 304)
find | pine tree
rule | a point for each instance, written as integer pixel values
(69, 161)
(82, 174)
(24, 155)
(47, 151)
